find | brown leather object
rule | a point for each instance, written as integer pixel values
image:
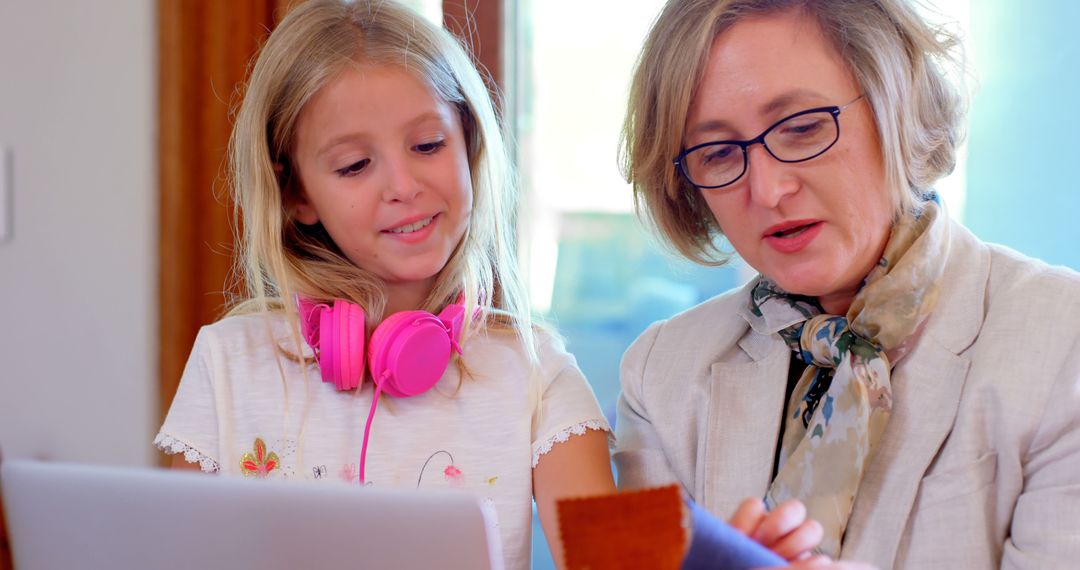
(635, 529)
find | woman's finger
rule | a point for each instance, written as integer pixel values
(798, 543)
(786, 517)
(748, 516)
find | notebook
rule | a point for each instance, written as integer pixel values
(80, 516)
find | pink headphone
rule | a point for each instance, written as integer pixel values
(408, 352)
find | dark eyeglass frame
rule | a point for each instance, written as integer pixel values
(745, 145)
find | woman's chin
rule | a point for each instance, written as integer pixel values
(819, 284)
(803, 279)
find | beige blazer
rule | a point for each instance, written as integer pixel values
(979, 466)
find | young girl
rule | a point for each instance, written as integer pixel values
(373, 181)
(369, 168)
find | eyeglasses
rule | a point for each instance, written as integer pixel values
(795, 138)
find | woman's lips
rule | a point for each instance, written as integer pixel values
(792, 237)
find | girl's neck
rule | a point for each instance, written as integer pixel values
(407, 296)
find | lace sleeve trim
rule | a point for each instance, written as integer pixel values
(171, 446)
(576, 429)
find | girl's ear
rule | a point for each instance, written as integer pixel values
(297, 204)
(303, 211)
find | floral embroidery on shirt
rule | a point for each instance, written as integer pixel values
(349, 473)
(452, 473)
(259, 464)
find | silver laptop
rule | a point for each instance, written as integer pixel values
(78, 516)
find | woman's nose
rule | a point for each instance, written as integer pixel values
(770, 180)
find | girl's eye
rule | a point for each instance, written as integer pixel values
(354, 168)
(430, 148)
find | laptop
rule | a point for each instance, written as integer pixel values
(80, 516)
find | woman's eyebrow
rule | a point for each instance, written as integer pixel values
(710, 126)
(788, 98)
(770, 107)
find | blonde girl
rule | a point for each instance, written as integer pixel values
(368, 167)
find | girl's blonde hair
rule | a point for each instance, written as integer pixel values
(280, 257)
(900, 61)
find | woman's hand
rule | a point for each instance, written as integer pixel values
(786, 530)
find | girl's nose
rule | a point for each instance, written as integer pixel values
(400, 184)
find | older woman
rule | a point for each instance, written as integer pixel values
(918, 389)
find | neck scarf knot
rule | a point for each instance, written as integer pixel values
(823, 340)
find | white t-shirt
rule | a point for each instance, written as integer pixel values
(478, 433)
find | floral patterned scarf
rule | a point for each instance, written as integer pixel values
(826, 448)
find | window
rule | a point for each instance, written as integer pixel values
(592, 268)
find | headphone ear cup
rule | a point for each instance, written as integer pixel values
(328, 346)
(342, 345)
(336, 335)
(409, 353)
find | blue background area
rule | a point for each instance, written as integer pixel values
(1024, 150)
(611, 282)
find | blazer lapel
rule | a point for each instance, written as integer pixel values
(744, 423)
(926, 396)
(927, 386)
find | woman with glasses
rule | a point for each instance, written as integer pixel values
(916, 388)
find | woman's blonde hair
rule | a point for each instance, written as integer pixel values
(279, 256)
(901, 63)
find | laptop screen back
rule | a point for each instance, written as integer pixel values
(77, 516)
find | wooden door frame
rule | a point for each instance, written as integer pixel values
(481, 25)
(204, 47)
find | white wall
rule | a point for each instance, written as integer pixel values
(78, 317)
